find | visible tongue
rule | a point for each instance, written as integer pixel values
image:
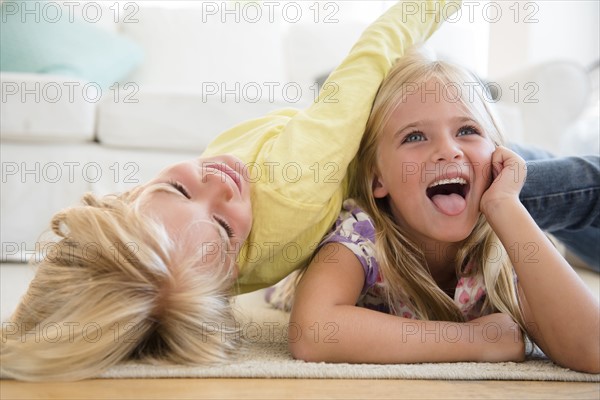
(449, 204)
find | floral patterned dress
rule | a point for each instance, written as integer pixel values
(355, 230)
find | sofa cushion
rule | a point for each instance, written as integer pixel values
(170, 119)
(40, 37)
(38, 107)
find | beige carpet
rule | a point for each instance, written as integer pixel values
(266, 356)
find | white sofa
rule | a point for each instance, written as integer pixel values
(56, 147)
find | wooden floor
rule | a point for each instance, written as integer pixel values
(296, 389)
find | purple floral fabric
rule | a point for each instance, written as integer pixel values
(355, 230)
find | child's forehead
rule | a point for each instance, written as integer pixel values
(441, 88)
(467, 96)
(432, 95)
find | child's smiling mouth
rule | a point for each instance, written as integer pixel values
(449, 194)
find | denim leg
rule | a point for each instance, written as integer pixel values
(530, 153)
(563, 197)
(584, 243)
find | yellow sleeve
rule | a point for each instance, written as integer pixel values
(321, 141)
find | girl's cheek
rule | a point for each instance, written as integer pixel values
(487, 152)
(492, 146)
(484, 171)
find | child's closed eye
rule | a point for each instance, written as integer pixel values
(180, 188)
(225, 226)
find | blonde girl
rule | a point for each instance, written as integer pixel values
(437, 239)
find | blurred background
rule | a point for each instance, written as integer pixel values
(100, 95)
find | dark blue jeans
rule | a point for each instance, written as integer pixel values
(562, 196)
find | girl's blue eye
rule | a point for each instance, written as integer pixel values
(468, 130)
(413, 137)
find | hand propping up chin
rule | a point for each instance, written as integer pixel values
(508, 174)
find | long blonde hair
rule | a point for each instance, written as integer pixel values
(116, 287)
(403, 267)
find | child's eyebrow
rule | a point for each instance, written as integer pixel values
(224, 236)
(225, 239)
(465, 119)
(160, 187)
(405, 127)
(150, 191)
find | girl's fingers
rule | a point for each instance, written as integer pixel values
(497, 161)
(506, 162)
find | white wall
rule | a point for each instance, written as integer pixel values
(492, 37)
(545, 30)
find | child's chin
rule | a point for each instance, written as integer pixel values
(454, 239)
(454, 235)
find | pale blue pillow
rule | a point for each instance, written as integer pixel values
(76, 49)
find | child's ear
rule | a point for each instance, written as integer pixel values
(379, 188)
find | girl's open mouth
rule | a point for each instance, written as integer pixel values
(449, 195)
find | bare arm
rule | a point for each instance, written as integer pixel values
(562, 315)
(342, 332)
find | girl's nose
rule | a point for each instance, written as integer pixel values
(447, 150)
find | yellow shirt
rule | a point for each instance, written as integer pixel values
(298, 159)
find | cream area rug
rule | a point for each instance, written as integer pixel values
(266, 356)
